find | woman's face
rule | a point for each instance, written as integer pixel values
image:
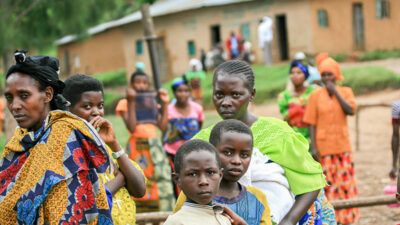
(90, 105)
(28, 105)
(231, 97)
(297, 76)
(327, 77)
(182, 93)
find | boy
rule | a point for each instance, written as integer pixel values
(198, 173)
(234, 143)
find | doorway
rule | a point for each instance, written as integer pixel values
(282, 37)
(358, 27)
(163, 60)
(215, 35)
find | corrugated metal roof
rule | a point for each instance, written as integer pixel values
(157, 9)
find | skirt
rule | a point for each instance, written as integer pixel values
(339, 172)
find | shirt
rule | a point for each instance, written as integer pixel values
(326, 114)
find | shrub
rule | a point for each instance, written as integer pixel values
(340, 57)
(379, 54)
(111, 98)
(113, 78)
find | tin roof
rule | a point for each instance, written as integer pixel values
(159, 8)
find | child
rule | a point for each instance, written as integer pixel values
(198, 173)
(196, 76)
(234, 143)
(86, 97)
(185, 117)
(141, 117)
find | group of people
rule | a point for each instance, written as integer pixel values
(64, 164)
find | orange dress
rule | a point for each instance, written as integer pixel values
(144, 147)
(333, 144)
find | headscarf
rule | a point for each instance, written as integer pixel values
(302, 67)
(330, 65)
(45, 70)
(321, 57)
(178, 82)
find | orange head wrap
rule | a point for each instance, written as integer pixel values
(330, 65)
(321, 57)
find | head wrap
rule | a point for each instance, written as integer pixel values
(45, 70)
(178, 82)
(321, 57)
(330, 65)
(299, 56)
(196, 64)
(302, 67)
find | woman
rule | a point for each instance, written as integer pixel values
(50, 165)
(124, 178)
(143, 119)
(292, 102)
(274, 142)
(327, 112)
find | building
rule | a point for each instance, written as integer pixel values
(184, 27)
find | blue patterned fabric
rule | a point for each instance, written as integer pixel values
(182, 129)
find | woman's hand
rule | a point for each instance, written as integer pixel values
(315, 154)
(131, 94)
(163, 96)
(330, 86)
(105, 130)
(393, 173)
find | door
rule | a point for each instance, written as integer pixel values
(163, 60)
(358, 26)
(282, 37)
(215, 35)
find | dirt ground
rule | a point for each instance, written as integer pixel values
(373, 159)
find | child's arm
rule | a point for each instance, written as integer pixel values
(130, 116)
(128, 175)
(163, 118)
(299, 208)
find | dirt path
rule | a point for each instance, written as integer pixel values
(373, 159)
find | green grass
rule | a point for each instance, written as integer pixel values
(2, 143)
(379, 54)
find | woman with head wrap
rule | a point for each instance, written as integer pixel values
(326, 113)
(292, 102)
(49, 167)
(185, 118)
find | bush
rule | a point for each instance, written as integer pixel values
(340, 57)
(380, 54)
(111, 98)
(113, 78)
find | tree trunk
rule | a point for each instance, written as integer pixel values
(151, 39)
(9, 122)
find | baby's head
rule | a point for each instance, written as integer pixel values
(85, 94)
(198, 171)
(234, 142)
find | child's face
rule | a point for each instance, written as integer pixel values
(140, 83)
(182, 93)
(90, 105)
(231, 97)
(199, 177)
(235, 151)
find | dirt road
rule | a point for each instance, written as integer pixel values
(373, 159)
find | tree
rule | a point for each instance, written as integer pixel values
(35, 24)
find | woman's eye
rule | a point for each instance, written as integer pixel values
(86, 106)
(8, 98)
(211, 172)
(24, 96)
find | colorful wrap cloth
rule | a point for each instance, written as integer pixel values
(50, 176)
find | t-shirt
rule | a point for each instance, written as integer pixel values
(326, 114)
(195, 214)
(251, 204)
(182, 127)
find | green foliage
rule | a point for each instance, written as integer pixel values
(380, 54)
(121, 132)
(370, 78)
(340, 57)
(112, 78)
(111, 98)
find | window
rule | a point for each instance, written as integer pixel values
(323, 18)
(382, 9)
(139, 47)
(245, 31)
(191, 48)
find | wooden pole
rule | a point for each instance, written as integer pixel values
(151, 40)
(365, 202)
